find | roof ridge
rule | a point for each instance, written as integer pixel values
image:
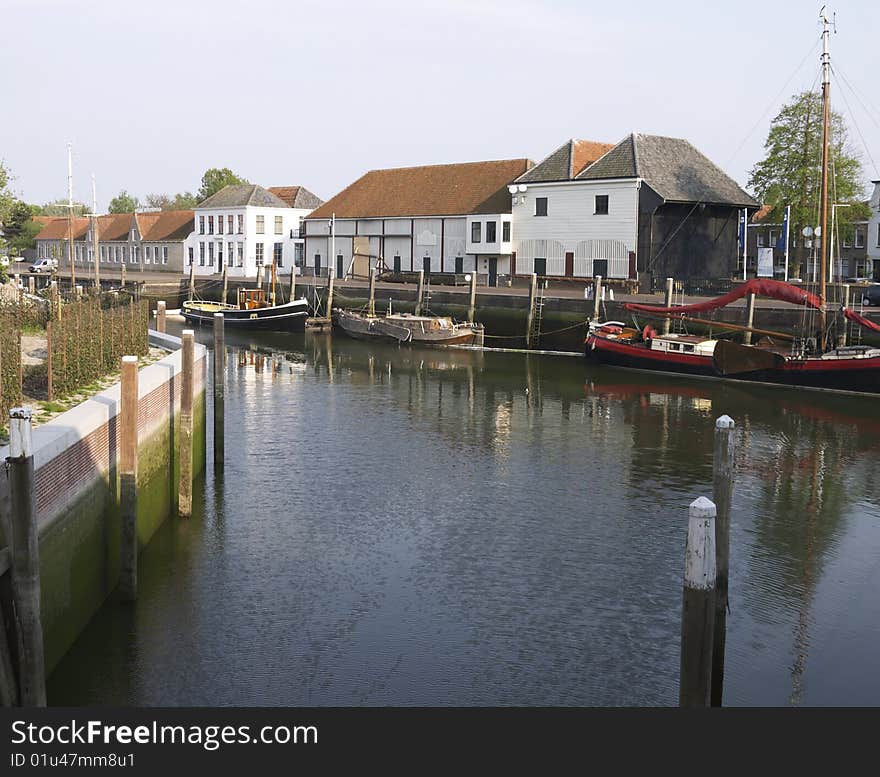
(636, 165)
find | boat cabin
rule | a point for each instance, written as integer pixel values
(686, 344)
(249, 299)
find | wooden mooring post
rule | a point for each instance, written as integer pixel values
(420, 292)
(371, 308)
(184, 491)
(32, 285)
(698, 606)
(128, 460)
(722, 495)
(472, 302)
(667, 303)
(750, 318)
(842, 337)
(225, 282)
(160, 316)
(331, 280)
(597, 296)
(25, 560)
(122, 276)
(530, 317)
(219, 391)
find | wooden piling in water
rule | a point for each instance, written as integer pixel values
(128, 457)
(25, 560)
(371, 308)
(331, 279)
(722, 496)
(419, 292)
(160, 316)
(219, 391)
(472, 302)
(530, 316)
(842, 338)
(184, 491)
(225, 282)
(597, 296)
(667, 303)
(698, 606)
(750, 318)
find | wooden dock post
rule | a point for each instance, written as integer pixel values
(55, 301)
(371, 308)
(597, 296)
(160, 316)
(750, 317)
(530, 316)
(331, 280)
(472, 302)
(219, 391)
(419, 292)
(32, 285)
(25, 560)
(128, 459)
(122, 276)
(722, 495)
(225, 282)
(842, 338)
(184, 490)
(192, 280)
(667, 303)
(78, 289)
(698, 606)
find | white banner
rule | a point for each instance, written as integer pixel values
(765, 262)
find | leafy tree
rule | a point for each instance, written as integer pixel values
(123, 203)
(59, 208)
(20, 228)
(215, 179)
(180, 201)
(185, 201)
(790, 173)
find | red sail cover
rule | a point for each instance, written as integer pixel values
(861, 320)
(762, 287)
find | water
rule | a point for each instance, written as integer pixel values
(410, 527)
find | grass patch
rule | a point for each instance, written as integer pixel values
(52, 407)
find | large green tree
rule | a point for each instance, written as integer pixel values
(180, 201)
(790, 173)
(215, 179)
(59, 208)
(123, 203)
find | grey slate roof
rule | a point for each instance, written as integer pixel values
(565, 162)
(297, 196)
(237, 195)
(672, 167)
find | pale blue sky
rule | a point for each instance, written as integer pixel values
(316, 93)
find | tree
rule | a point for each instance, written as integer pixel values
(20, 228)
(59, 208)
(123, 203)
(180, 201)
(215, 179)
(790, 173)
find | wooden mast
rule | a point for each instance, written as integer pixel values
(826, 112)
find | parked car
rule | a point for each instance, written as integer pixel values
(44, 265)
(871, 295)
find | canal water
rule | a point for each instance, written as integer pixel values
(410, 527)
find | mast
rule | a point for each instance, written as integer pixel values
(70, 216)
(94, 220)
(826, 112)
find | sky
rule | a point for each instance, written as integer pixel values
(150, 95)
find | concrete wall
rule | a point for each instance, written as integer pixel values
(75, 461)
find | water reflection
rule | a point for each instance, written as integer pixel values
(405, 526)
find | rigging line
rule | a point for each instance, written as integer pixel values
(869, 108)
(858, 129)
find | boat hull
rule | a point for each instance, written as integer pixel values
(399, 331)
(290, 317)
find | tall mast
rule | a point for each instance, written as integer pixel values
(70, 216)
(94, 220)
(826, 113)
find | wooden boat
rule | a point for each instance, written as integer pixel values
(253, 311)
(409, 328)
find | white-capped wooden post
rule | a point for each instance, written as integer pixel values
(160, 316)
(667, 303)
(184, 499)
(128, 458)
(25, 559)
(219, 391)
(122, 276)
(530, 316)
(192, 280)
(32, 285)
(842, 338)
(698, 606)
(371, 308)
(722, 495)
(597, 296)
(419, 292)
(472, 302)
(225, 282)
(750, 317)
(331, 279)
(78, 289)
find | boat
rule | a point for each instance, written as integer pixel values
(776, 358)
(253, 311)
(409, 328)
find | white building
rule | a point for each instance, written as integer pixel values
(873, 237)
(246, 226)
(437, 218)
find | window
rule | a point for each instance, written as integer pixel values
(279, 251)
(259, 249)
(201, 254)
(241, 254)
(229, 225)
(476, 228)
(860, 239)
(261, 225)
(505, 231)
(772, 240)
(219, 225)
(601, 205)
(490, 232)
(210, 225)
(164, 254)
(190, 254)
(219, 256)
(103, 253)
(298, 254)
(135, 254)
(279, 225)
(540, 206)
(201, 225)
(760, 239)
(230, 256)
(878, 236)
(211, 254)
(148, 255)
(240, 224)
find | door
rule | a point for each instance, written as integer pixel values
(426, 265)
(493, 270)
(396, 265)
(569, 264)
(600, 267)
(317, 265)
(459, 265)
(540, 266)
(340, 269)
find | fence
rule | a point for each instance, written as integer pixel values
(10, 359)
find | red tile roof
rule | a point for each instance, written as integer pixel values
(166, 225)
(114, 227)
(431, 190)
(56, 228)
(585, 152)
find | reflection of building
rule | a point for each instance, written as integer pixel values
(437, 218)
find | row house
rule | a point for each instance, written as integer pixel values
(452, 218)
(53, 240)
(246, 227)
(647, 208)
(872, 236)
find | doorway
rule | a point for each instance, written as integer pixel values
(340, 269)
(493, 270)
